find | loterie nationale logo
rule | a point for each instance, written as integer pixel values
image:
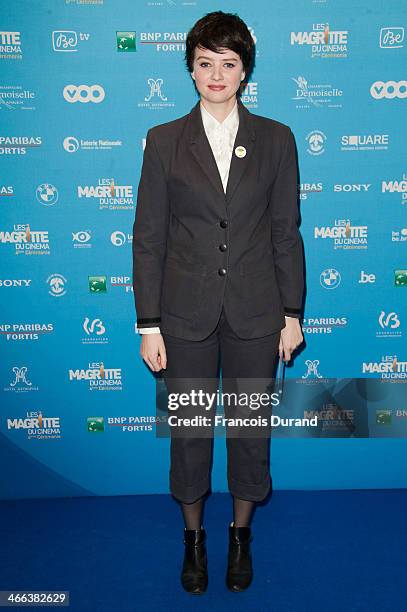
(343, 234)
(109, 194)
(323, 41)
(26, 240)
(118, 238)
(98, 377)
(72, 144)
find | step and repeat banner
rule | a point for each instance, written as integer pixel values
(81, 83)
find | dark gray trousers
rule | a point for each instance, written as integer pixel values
(248, 458)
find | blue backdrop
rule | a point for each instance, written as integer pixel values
(81, 83)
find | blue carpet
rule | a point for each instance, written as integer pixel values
(312, 550)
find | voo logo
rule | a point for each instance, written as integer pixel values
(389, 89)
(84, 93)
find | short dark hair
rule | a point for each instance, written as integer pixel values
(219, 30)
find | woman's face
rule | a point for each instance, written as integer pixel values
(217, 75)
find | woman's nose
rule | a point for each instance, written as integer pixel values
(217, 73)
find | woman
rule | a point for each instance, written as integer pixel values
(218, 273)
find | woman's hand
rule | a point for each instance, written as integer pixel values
(153, 351)
(291, 337)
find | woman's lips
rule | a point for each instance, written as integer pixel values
(217, 87)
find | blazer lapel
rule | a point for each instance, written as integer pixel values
(202, 152)
(201, 149)
(245, 138)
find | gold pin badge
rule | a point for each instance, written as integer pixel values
(240, 151)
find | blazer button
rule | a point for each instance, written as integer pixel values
(224, 223)
(222, 271)
(223, 247)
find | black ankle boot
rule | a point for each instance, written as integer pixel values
(194, 576)
(239, 572)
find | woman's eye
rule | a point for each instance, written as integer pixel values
(228, 64)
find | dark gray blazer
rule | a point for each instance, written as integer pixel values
(196, 248)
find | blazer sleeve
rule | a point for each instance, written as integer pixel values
(285, 235)
(150, 236)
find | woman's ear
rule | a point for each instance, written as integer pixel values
(244, 75)
(193, 75)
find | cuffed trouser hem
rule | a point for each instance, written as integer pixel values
(251, 492)
(187, 494)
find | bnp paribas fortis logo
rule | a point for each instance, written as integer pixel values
(97, 284)
(126, 41)
(383, 417)
(400, 278)
(96, 424)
